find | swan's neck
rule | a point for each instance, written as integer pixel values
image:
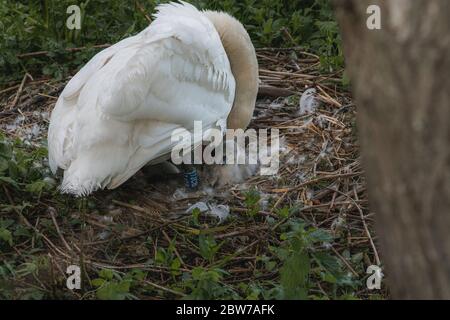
(244, 65)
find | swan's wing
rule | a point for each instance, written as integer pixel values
(74, 86)
(63, 119)
(178, 73)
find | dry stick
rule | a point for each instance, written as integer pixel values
(19, 91)
(271, 49)
(47, 96)
(130, 206)
(259, 55)
(288, 35)
(238, 232)
(344, 261)
(289, 74)
(9, 89)
(264, 213)
(333, 101)
(133, 266)
(278, 202)
(360, 189)
(279, 223)
(375, 252)
(342, 175)
(270, 91)
(235, 254)
(142, 10)
(325, 205)
(316, 57)
(44, 53)
(139, 234)
(164, 288)
(366, 228)
(52, 214)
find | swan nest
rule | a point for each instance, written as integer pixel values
(145, 221)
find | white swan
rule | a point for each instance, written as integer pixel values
(118, 112)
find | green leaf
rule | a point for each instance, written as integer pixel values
(114, 290)
(10, 181)
(98, 282)
(36, 187)
(6, 236)
(328, 262)
(175, 266)
(284, 212)
(3, 165)
(106, 274)
(161, 256)
(295, 275)
(320, 235)
(195, 215)
(208, 247)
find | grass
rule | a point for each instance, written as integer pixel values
(296, 236)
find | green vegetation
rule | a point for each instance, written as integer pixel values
(33, 26)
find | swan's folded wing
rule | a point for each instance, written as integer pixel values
(74, 86)
(179, 73)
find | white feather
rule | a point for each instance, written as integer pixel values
(119, 111)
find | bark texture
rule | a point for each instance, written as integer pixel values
(401, 83)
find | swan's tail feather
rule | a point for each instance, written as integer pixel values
(79, 189)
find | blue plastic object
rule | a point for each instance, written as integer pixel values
(191, 178)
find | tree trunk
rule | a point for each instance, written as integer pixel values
(401, 83)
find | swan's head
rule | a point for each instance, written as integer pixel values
(244, 65)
